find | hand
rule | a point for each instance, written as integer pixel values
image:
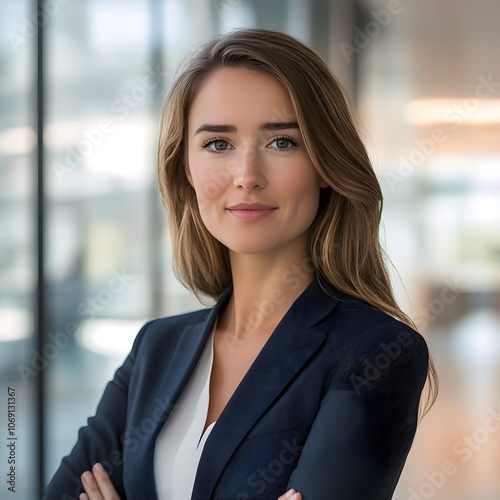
(98, 485)
(291, 495)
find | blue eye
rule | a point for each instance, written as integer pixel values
(216, 145)
(220, 145)
(284, 143)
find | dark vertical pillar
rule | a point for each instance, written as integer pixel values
(345, 17)
(40, 218)
(359, 19)
(320, 26)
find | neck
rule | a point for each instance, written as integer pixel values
(264, 288)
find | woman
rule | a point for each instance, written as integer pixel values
(305, 379)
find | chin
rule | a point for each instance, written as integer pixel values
(250, 249)
(249, 246)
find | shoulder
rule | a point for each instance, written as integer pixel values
(365, 327)
(166, 331)
(372, 344)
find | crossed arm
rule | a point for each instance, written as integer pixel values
(98, 486)
(355, 450)
(356, 447)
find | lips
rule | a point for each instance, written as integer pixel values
(251, 211)
(251, 206)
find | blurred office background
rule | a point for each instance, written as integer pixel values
(424, 78)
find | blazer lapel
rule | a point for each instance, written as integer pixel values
(187, 354)
(169, 389)
(289, 347)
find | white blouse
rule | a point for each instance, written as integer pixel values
(180, 442)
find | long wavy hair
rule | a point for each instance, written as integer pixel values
(344, 238)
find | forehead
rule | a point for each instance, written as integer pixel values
(240, 95)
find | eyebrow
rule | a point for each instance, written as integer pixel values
(209, 127)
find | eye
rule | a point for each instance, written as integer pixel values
(216, 145)
(284, 143)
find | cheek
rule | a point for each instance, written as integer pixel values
(302, 193)
(209, 189)
(209, 182)
(300, 186)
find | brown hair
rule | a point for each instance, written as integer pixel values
(344, 237)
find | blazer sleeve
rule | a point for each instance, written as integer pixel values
(365, 426)
(100, 440)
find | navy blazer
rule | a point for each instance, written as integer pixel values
(328, 407)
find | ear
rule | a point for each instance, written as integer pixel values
(323, 183)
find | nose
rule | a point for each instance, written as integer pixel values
(248, 172)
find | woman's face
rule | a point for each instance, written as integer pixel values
(245, 148)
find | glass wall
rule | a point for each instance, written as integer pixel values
(19, 365)
(425, 84)
(429, 97)
(107, 268)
